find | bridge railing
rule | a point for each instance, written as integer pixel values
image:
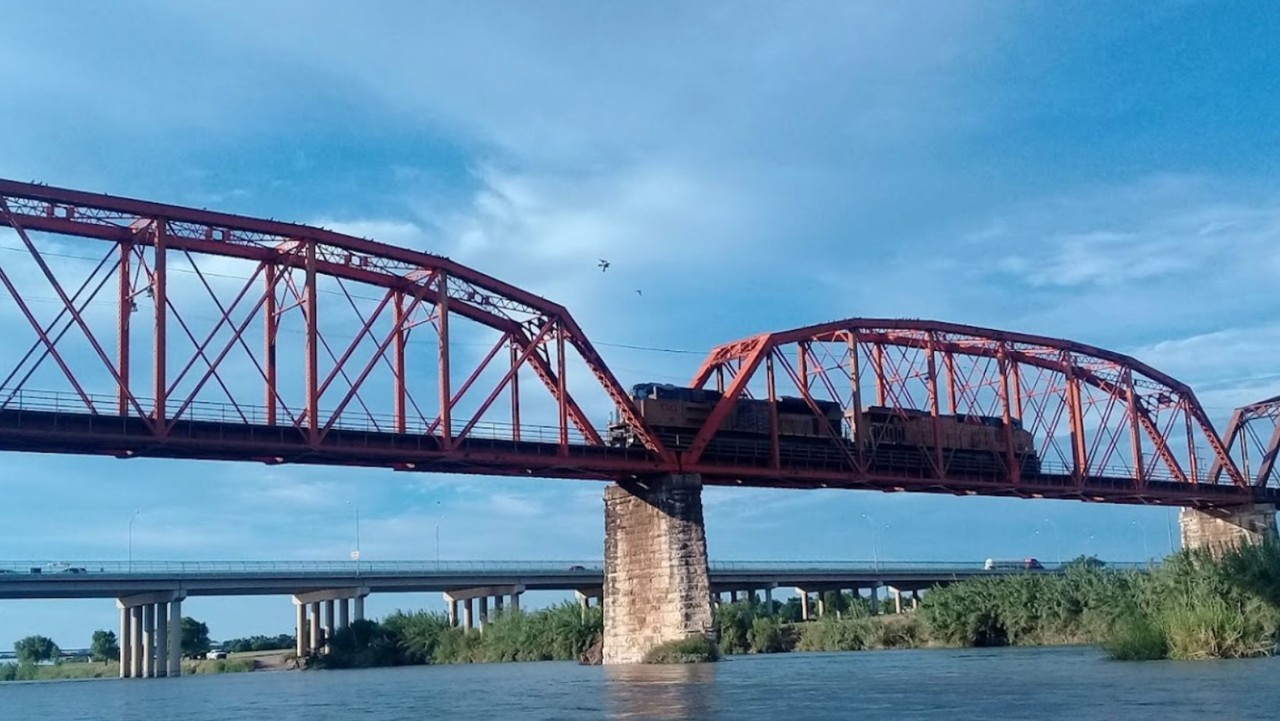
(227, 413)
(9, 569)
(25, 399)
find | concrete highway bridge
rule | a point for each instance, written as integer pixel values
(174, 332)
(327, 595)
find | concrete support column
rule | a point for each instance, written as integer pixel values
(300, 646)
(139, 650)
(126, 642)
(515, 602)
(483, 604)
(875, 599)
(915, 599)
(162, 639)
(466, 614)
(733, 597)
(1221, 528)
(584, 602)
(452, 610)
(175, 637)
(657, 584)
(359, 610)
(768, 601)
(804, 604)
(497, 605)
(344, 613)
(313, 637)
(148, 640)
(328, 622)
(822, 604)
(897, 600)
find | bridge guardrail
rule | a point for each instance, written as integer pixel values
(9, 569)
(217, 412)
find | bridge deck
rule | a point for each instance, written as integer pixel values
(94, 579)
(55, 431)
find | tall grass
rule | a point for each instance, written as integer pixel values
(404, 638)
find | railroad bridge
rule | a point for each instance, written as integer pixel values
(137, 329)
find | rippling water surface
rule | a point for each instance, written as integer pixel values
(1059, 683)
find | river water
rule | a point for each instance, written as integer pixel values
(1023, 683)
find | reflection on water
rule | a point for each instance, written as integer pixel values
(681, 691)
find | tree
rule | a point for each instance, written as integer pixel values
(195, 637)
(34, 649)
(104, 646)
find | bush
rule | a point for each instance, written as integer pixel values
(1136, 638)
(765, 636)
(697, 648)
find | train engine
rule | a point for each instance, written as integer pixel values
(894, 440)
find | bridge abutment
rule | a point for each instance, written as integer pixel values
(656, 579)
(1220, 528)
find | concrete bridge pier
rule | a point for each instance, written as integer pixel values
(656, 579)
(147, 648)
(585, 596)
(480, 595)
(315, 617)
(1221, 528)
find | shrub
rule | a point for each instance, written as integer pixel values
(697, 648)
(1136, 638)
(765, 636)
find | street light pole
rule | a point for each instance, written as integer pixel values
(1057, 540)
(131, 520)
(1142, 529)
(875, 539)
(356, 507)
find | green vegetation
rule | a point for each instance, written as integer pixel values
(694, 649)
(195, 637)
(104, 647)
(1193, 606)
(34, 649)
(221, 665)
(283, 642)
(405, 638)
(57, 672)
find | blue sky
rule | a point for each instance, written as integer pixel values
(1097, 172)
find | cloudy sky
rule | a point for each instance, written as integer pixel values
(1101, 172)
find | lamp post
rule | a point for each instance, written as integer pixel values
(1057, 540)
(875, 539)
(131, 520)
(356, 506)
(1142, 529)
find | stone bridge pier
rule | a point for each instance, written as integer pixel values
(1221, 528)
(656, 578)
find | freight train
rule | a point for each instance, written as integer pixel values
(895, 440)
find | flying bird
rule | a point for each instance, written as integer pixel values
(604, 265)
(639, 293)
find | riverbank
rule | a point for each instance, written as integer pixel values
(78, 670)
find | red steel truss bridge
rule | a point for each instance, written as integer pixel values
(139, 329)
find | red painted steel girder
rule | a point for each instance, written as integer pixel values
(1094, 417)
(350, 363)
(1253, 435)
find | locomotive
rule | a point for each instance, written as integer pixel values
(894, 440)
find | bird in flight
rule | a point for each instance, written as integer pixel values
(639, 293)
(604, 265)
